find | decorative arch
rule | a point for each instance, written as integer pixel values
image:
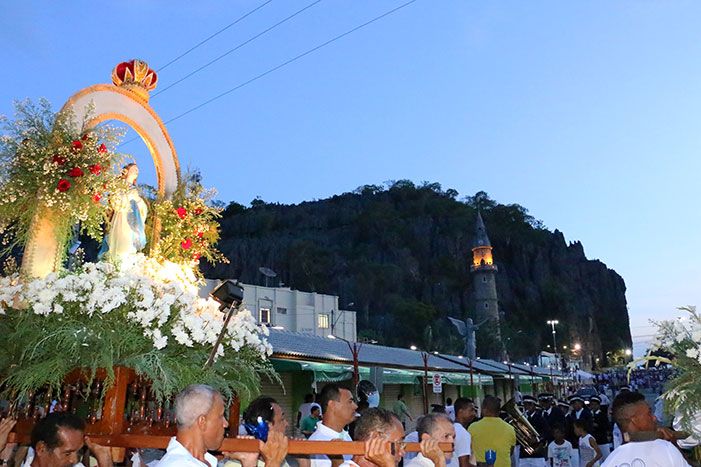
(126, 102)
(111, 102)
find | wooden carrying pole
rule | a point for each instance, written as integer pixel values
(298, 447)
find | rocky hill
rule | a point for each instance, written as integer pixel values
(400, 255)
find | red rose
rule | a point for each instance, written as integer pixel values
(75, 172)
(58, 160)
(95, 169)
(198, 211)
(199, 234)
(102, 148)
(63, 185)
(96, 197)
(182, 212)
(77, 145)
(186, 244)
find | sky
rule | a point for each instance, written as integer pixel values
(586, 113)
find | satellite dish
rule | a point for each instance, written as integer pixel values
(267, 272)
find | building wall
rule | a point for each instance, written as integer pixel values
(297, 311)
(308, 312)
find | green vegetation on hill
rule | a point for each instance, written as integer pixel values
(401, 254)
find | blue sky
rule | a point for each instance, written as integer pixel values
(587, 113)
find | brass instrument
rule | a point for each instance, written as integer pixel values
(527, 436)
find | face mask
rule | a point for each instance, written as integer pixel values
(374, 399)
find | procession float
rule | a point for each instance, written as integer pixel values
(113, 339)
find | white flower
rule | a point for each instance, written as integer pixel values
(692, 353)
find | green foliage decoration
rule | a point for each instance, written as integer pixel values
(48, 161)
(189, 225)
(148, 318)
(682, 339)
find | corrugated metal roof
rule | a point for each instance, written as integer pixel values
(301, 345)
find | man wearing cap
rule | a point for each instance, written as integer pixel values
(552, 413)
(536, 419)
(600, 426)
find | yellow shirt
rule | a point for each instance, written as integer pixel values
(493, 433)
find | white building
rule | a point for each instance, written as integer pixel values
(306, 312)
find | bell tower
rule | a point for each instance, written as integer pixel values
(484, 271)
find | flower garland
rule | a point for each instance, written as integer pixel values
(50, 162)
(682, 338)
(146, 316)
(189, 225)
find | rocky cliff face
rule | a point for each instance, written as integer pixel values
(401, 255)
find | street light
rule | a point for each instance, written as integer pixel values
(553, 322)
(577, 347)
(355, 351)
(628, 352)
(424, 358)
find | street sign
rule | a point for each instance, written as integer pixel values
(437, 383)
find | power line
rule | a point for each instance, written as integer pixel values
(294, 59)
(214, 35)
(248, 41)
(271, 70)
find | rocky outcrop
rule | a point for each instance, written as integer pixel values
(401, 256)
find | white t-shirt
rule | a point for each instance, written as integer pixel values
(462, 447)
(586, 452)
(324, 433)
(178, 456)
(561, 454)
(419, 461)
(657, 453)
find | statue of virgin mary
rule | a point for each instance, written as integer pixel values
(126, 234)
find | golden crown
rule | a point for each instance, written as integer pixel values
(136, 76)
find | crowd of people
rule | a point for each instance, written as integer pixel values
(575, 434)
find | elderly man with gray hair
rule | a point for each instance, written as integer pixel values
(199, 412)
(432, 429)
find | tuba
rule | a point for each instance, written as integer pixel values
(526, 435)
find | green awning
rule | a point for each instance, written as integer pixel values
(323, 372)
(336, 372)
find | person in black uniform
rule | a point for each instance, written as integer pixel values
(551, 412)
(601, 426)
(535, 417)
(578, 412)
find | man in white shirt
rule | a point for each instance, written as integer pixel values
(438, 428)
(380, 429)
(338, 407)
(633, 414)
(56, 440)
(465, 414)
(199, 412)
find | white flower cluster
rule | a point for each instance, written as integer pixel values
(685, 331)
(162, 298)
